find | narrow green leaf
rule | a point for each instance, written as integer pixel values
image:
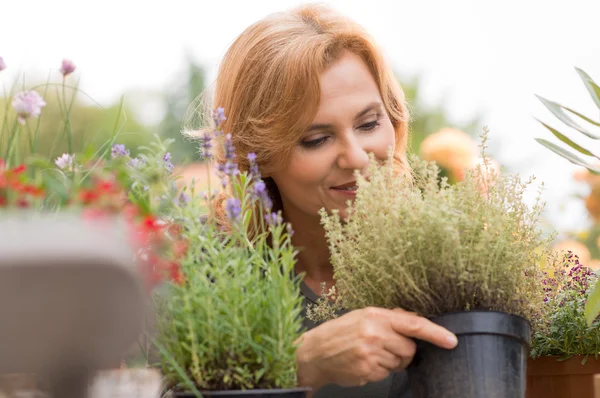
(182, 374)
(592, 305)
(571, 157)
(557, 110)
(567, 140)
(587, 119)
(592, 87)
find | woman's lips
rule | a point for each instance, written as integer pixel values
(348, 189)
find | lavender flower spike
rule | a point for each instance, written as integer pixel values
(218, 116)
(183, 199)
(261, 193)
(273, 218)
(206, 145)
(136, 163)
(2, 64)
(232, 209)
(67, 67)
(119, 150)
(28, 104)
(230, 168)
(254, 172)
(167, 159)
(229, 148)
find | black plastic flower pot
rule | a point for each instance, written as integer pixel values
(266, 393)
(489, 361)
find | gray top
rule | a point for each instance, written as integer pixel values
(395, 386)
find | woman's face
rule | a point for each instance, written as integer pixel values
(351, 122)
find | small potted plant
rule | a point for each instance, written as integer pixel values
(564, 352)
(464, 255)
(229, 329)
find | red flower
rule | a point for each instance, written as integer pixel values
(107, 186)
(22, 203)
(88, 196)
(150, 224)
(33, 190)
(175, 273)
(19, 169)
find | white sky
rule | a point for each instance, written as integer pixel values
(475, 56)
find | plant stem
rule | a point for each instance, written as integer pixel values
(11, 142)
(68, 118)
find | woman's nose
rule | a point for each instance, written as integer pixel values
(353, 155)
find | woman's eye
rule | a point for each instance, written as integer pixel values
(370, 126)
(314, 143)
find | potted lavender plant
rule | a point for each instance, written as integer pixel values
(465, 255)
(230, 328)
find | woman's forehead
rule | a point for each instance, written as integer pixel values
(347, 87)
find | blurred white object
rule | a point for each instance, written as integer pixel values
(71, 301)
(127, 383)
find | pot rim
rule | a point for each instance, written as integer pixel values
(216, 393)
(486, 322)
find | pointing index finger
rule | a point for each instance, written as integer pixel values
(411, 325)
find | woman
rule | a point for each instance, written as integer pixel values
(309, 93)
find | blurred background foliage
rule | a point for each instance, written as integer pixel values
(92, 124)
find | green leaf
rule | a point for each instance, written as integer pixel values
(568, 141)
(592, 305)
(592, 87)
(587, 119)
(557, 110)
(180, 372)
(571, 157)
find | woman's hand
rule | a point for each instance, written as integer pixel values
(364, 346)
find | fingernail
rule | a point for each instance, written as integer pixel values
(452, 340)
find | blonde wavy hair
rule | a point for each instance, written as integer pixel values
(268, 84)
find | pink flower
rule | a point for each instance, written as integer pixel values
(65, 162)
(28, 104)
(67, 67)
(2, 64)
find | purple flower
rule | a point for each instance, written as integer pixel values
(2, 64)
(28, 104)
(67, 67)
(230, 168)
(232, 209)
(273, 218)
(136, 163)
(65, 162)
(229, 148)
(205, 146)
(119, 150)
(289, 229)
(254, 173)
(183, 199)
(167, 159)
(261, 193)
(218, 116)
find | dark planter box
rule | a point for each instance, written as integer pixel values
(549, 378)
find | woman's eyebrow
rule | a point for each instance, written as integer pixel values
(315, 127)
(368, 108)
(324, 126)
